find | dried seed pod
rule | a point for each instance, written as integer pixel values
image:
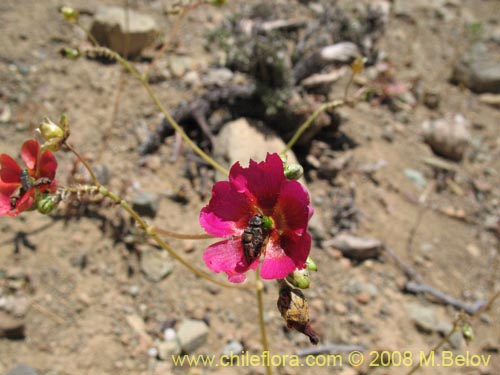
(294, 309)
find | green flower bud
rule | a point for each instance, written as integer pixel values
(70, 53)
(310, 265)
(53, 134)
(70, 14)
(299, 278)
(468, 332)
(46, 204)
(294, 171)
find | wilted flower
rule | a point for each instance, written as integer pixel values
(20, 188)
(259, 212)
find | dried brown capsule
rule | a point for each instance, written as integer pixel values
(294, 309)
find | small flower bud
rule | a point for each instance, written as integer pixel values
(299, 278)
(53, 134)
(468, 333)
(46, 204)
(310, 265)
(358, 65)
(70, 53)
(70, 14)
(294, 309)
(294, 171)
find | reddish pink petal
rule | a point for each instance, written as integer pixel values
(293, 210)
(26, 201)
(228, 211)
(11, 171)
(284, 254)
(29, 153)
(48, 165)
(261, 180)
(227, 256)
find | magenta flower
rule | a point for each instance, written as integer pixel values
(260, 189)
(20, 187)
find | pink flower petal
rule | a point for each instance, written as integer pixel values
(48, 165)
(227, 256)
(228, 211)
(29, 154)
(284, 254)
(292, 211)
(11, 171)
(261, 180)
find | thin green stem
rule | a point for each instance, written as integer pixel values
(310, 120)
(259, 289)
(183, 236)
(163, 110)
(84, 162)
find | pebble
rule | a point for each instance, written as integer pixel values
(156, 265)
(424, 317)
(357, 248)
(166, 349)
(111, 29)
(11, 328)
(192, 334)
(416, 177)
(217, 77)
(363, 298)
(478, 69)
(146, 204)
(22, 369)
(233, 347)
(448, 136)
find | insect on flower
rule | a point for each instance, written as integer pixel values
(252, 239)
(26, 185)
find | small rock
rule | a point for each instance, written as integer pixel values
(5, 113)
(353, 247)
(416, 177)
(192, 334)
(478, 69)
(153, 162)
(146, 204)
(490, 99)
(192, 78)
(11, 328)
(156, 265)
(340, 308)
(22, 370)
(473, 250)
(233, 347)
(448, 136)
(166, 349)
(363, 297)
(342, 52)
(178, 65)
(111, 29)
(217, 77)
(424, 317)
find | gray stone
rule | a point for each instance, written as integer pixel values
(342, 52)
(478, 69)
(22, 369)
(156, 265)
(233, 347)
(448, 136)
(166, 349)
(146, 204)
(111, 30)
(11, 328)
(192, 334)
(218, 77)
(357, 248)
(424, 318)
(416, 177)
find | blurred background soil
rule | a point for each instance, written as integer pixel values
(87, 293)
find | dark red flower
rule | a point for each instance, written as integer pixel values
(20, 187)
(260, 189)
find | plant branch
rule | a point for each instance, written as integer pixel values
(259, 289)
